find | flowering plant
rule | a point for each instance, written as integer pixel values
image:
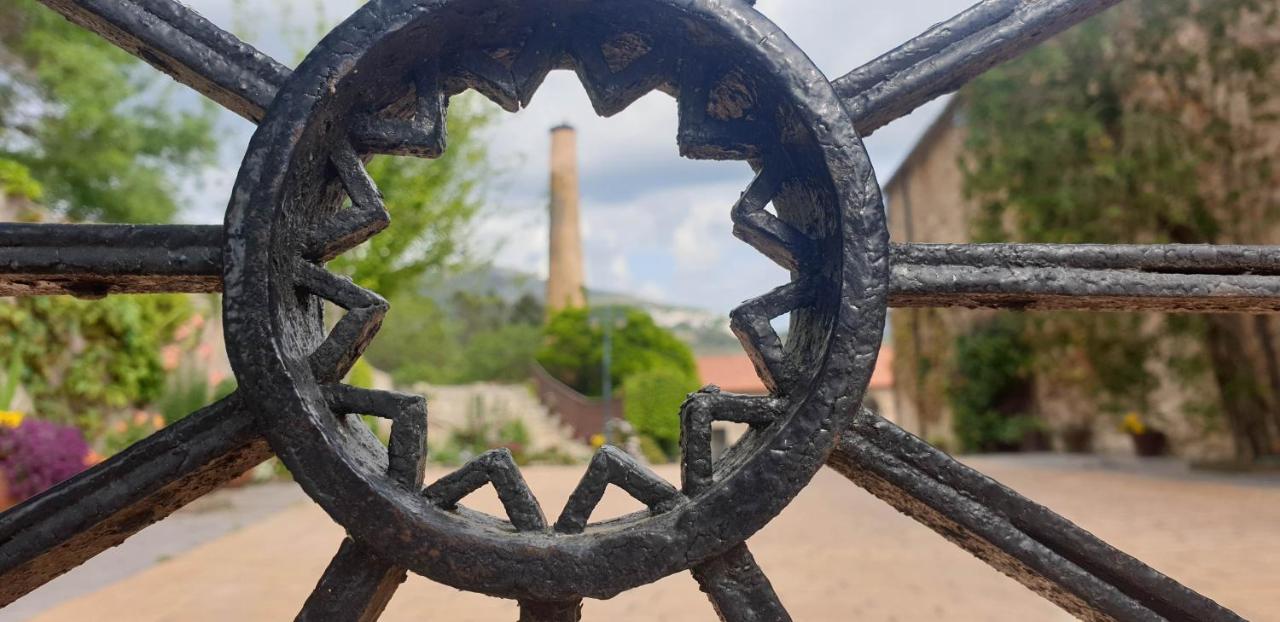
(128, 430)
(35, 455)
(1133, 424)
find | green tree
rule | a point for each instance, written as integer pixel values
(573, 350)
(72, 119)
(432, 205)
(1154, 122)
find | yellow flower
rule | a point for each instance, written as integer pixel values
(10, 418)
(1133, 424)
(597, 440)
(157, 421)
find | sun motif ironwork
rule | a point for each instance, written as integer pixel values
(380, 84)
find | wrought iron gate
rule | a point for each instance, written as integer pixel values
(379, 84)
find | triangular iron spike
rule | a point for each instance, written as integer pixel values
(774, 238)
(331, 361)
(751, 323)
(613, 91)
(422, 135)
(702, 136)
(699, 411)
(407, 450)
(611, 465)
(350, 227)
(490, 78)
(496, 467)
(541, 53)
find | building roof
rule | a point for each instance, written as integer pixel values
(734, 372)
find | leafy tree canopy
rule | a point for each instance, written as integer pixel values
(574, 348)
(1155, 122)
(71, 120)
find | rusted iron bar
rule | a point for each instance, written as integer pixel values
(952, 53)
(61, 528)
(95, 260)
(1040, 549)
(356, 586)
(1098, 277)
(185, 45)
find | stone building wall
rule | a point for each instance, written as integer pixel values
(926, 204)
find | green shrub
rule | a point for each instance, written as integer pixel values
(991, 389)
(573, 350)
(651, 402)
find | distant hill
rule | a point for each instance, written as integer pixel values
(707, 332)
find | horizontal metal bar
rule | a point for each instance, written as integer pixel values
(1040, 549)
(1096, 277)
(952, 53)
(95, 260)
(185, 45)
(101, 507)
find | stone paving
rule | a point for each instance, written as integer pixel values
(835, 554)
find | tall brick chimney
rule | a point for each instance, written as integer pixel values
(565, 282)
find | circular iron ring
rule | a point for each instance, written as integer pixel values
(745, 92)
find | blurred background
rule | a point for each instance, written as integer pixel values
(560, 280)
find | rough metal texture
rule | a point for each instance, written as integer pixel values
(1026, 541)
(741, 87)
(97, 509)
(92, 261)
(380, 84)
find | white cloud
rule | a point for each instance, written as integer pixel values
(665, 219)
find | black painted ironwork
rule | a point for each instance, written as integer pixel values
(379, 84)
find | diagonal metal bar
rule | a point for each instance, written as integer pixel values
(185, 45)
(1098, 277)
(538, 611)
(1042, 550)
(98, 509)
(950, 54)
(737, 588)
(356, 586)
(96, 260)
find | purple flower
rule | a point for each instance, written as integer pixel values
(38, 454)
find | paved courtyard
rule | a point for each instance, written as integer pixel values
(835, 554)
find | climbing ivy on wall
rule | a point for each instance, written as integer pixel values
(1156, 122)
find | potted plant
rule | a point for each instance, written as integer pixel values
(1147, 441)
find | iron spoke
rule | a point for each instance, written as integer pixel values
(1042, 550)
(101, 507)
(738, 589)
(1200, 278)
(952, 53)
(356, 587)
(95, 260)
(534, 611)
(186, 46)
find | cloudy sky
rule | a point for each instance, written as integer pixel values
(654, 225)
